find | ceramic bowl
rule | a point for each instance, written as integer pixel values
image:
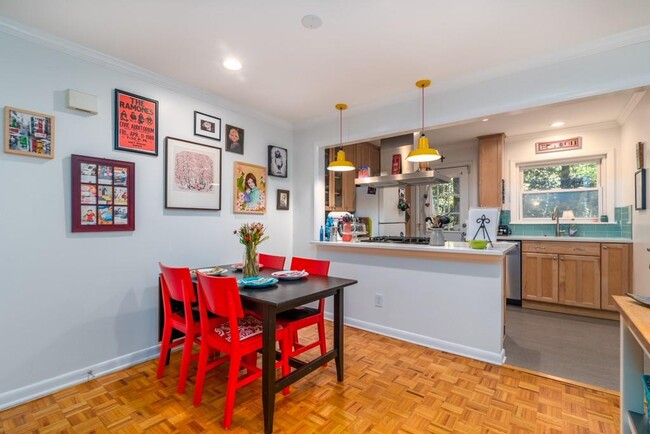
(478, 244)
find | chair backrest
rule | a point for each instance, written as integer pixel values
(219, 295)
(272, 261)
(315, 267)
(179, 283)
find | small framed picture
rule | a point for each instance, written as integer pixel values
(29, 133)
(639, 189)
(640, 158)
(283, 200)
(250, 188)
(234, 139)
(397, 164)
(277, 161)
(136, 123)
(207, 126)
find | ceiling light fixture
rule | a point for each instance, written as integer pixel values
(423, 152)
(311, 22)
(232, 64)
(485, 119)
(340, 165)
(557, 124)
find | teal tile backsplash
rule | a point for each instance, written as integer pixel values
(620, 228)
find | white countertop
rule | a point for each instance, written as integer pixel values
(568, 239)
(458, 247)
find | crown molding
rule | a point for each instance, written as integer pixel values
(634, 100)
(73, 49)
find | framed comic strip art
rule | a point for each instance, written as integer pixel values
(103, 198)
(192, 175)
(250, 188)
(136, 123)
(207, 126)
(278, 160)
(29, 133)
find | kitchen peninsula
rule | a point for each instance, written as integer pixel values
(450, 297)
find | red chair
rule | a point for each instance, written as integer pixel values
(176, 285)
(220, 296)
(272, 261)
(303, 316)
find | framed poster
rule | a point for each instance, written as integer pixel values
(192, 175)
(250, 188)
(136, 123)
(397, 164)
(29, 133)
(283, 200)
(558, 145)
(639, 189)
(103, 197)
(235, 139)
(277, 161)
(640, 158)
(207, 126)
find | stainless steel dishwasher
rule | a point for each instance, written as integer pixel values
(513, 274)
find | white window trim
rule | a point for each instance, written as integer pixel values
(607, 190)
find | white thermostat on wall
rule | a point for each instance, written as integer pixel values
(81, 101)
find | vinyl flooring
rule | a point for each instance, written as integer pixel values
(390, 387)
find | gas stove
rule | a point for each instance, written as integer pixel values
(397, 240)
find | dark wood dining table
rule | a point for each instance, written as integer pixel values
(285, 295)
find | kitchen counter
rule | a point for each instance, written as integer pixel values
(451, 247)
(567, 239)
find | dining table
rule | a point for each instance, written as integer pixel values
(282, 296)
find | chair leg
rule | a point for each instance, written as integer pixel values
(204, 353)
(231, 389)
(185, 362)
(164, 350)
(321, 337)
(296, 342)
(285, 349)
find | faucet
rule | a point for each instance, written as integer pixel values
(556, 216)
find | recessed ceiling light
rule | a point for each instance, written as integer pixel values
(311, 22)
(485, 119)
(232, 64)
(557, 124)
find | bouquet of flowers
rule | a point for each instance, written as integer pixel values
(250, 235)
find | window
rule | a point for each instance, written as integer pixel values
(446, 200)
(568, 185)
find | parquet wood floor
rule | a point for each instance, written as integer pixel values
(390, 387)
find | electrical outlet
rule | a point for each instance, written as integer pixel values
(379, 300)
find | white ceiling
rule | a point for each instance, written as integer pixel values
(366, 52)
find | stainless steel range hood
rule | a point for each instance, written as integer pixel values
(414, 178)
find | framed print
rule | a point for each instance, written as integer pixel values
(192, 175)
(29, 133)
(639, 189)
(235, 139)
(103, 197)
(136, 123)
(397, 164)
(250, 188)
(207, 126)
(558, 145)
(283, 200)
(640, 158)
(277, 161)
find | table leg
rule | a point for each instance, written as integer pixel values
(338, 333)
(268, 367)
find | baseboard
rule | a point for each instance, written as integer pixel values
(51, 385)
(426, 341)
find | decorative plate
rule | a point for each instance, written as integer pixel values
(257, 282)
(290, 274)
(238, 266)
(210, 271)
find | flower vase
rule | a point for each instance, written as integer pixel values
(251, 262)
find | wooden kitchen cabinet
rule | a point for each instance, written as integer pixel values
(616, 265)
(540, 277)
(367, 154)
(340, 191)
(490, 170)
(579, 281)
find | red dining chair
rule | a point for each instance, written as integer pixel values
(176, 285)
(220, 296)
(303, 316)
(272, 261)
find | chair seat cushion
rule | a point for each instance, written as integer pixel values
(297, 313)
(249, 326)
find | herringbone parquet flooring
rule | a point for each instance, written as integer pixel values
(390, 387)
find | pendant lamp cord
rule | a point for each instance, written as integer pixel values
(422, 131)
(340, 129)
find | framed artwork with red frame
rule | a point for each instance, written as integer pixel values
(136, 123)
(103, 198)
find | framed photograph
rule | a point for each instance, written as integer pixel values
(283, 199)
(103, 198)
(192, 175)
(136, 123)
(397, 164)
(277, 161)
(639, 189)
(29, 133)
(640, 158)
(207, 126)
(250, 188)
(234, 139)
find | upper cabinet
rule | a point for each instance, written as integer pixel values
(490, 170)
(340, 193)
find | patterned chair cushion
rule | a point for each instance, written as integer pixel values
(249, 326)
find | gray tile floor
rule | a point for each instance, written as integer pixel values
(573, 347)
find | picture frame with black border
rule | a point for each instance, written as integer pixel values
(278, 161)
(234, 139)
(640, 190)
(207, 126)
(282, 200)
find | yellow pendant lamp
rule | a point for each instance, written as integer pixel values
(341, 164)
(423, 152)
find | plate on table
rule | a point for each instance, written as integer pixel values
(210, 271)
(257, 282)
(290, 274)
(238, 266)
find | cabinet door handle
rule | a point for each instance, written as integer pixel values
(555, 259)
(648, 249)
(605, 247)
(544, 248)
(578, 249)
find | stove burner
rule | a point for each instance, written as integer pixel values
(397, 240)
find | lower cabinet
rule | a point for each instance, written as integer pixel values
(579, 281)
(616, 264)
(540, 277)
